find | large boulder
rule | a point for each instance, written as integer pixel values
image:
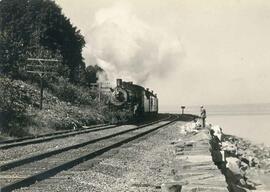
(217, 131)
(229, 147)
(236, 171)
(233, 164)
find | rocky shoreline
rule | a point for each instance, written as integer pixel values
(245, 165)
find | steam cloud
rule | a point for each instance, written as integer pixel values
(127, 47)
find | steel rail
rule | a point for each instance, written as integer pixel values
(49, 134)
(41, 140)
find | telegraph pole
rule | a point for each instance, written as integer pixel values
(41, 70)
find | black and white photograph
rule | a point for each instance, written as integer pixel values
(134, 95)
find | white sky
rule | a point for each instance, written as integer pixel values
(226, 47)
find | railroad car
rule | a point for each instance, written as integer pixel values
(141, 101)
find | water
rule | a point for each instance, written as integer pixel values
(253, 127)
(247, 121)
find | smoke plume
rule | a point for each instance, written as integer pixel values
(127, 47)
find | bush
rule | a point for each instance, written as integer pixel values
(75, 94)
(13, 103)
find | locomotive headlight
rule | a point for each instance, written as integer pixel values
(119, 96)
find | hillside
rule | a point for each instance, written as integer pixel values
(65, 106)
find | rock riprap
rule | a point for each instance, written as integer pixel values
(193, 168)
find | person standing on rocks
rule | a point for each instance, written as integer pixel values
(203, 115)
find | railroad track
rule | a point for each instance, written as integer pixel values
(45, 165)
(51, 136)
(39, 156)
(40, 146)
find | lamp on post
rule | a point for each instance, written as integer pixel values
(183, 109)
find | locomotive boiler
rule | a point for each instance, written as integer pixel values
(141, 101)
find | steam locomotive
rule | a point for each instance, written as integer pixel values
(141, 101)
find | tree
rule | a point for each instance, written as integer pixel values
(91, 74)
(31, 27)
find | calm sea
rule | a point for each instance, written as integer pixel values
(253, 127)
(250, 121)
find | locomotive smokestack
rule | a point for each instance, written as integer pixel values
(152, 91)
(119, 82)
(130, 82)
(147, 89)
